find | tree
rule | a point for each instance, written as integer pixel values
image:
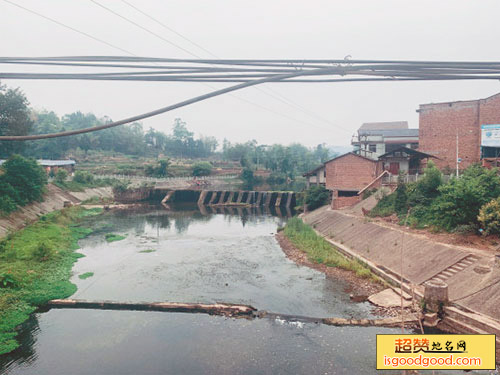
(202, 168)
(26, 176)
(316, 196)
(15, 119)
(160, 170)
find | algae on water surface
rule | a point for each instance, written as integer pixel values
(37, 262)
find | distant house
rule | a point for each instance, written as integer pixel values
(316, 177)
(347, 175)
(403, 159)
(54, 165)
(377, 138)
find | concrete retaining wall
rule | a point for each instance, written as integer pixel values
(53, 200)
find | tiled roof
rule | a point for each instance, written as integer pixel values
(51, 163)
(391, 132)
(384, 125)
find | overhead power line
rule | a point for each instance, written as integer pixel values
(69, 27)
(272, 94)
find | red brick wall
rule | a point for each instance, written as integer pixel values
(351, 172)
(341, 202)
(439, 124)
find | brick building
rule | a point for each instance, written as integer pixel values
(347, 174)
(440, 123)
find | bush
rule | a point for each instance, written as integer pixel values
(8, 280)
(276, 178)
(317, 196)
(202, 168)
(385, 206)
(160, 170)
(42, 251)
(83, 178)
(460, 200)
(489, 217)
(401, 199)
(61, 176)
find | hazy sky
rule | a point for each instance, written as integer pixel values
(395, 29)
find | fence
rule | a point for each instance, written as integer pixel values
(166, 179)
(392, 179)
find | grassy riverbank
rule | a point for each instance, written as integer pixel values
(320, 251)
(35, 267)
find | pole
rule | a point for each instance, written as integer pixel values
(457, 153)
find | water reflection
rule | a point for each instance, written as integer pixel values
(223, 254)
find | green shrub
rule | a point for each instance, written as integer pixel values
(316, 196)
(42, 251)
(27, 180)
(385, 206)
(202, 168)
(489, 217)
(61, 175)
(84, 178)
(8, 280)
(160, 170)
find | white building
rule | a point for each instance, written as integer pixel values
(378, 138)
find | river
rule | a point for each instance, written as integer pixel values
(183, 255)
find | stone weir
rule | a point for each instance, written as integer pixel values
(228, 198)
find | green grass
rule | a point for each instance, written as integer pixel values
(147, 251)
(37, 262)
(86, 275)
(320, 251)
(111, 237)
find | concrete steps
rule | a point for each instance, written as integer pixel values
(455, 268)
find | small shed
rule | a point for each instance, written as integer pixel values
(403, 159)
(316, 177)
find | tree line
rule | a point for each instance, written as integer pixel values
(17, 118)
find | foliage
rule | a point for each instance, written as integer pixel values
(8, 280)
(459, 201)
(489, 217)
(147, 251)
(401, 199)
(368, 193)
(42, 251)
(86, 275)
(316, 196)
(26, 176)
(61, 175)
(35, 281)
(320, 251)
(451, 206)
(202, 168)
(15, 119)
(385, 206)
(111, 237)
(160, 170)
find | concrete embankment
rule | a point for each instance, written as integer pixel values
(53, 200)
(472, 275)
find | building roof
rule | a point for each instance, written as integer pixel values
(50, 163)
(310, 173)
(391, 132)
(409, 151)
(351, 153)
(384, 125)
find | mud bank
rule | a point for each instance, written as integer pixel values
(359, 288)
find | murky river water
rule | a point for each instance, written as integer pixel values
(195, 258)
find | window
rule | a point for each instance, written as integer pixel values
(347, 193)
(372, 148)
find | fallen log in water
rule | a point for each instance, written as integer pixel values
(409, 319)
(224, 309)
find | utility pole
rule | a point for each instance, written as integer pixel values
(457, 154)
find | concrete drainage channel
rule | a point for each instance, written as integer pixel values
(225, 309)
